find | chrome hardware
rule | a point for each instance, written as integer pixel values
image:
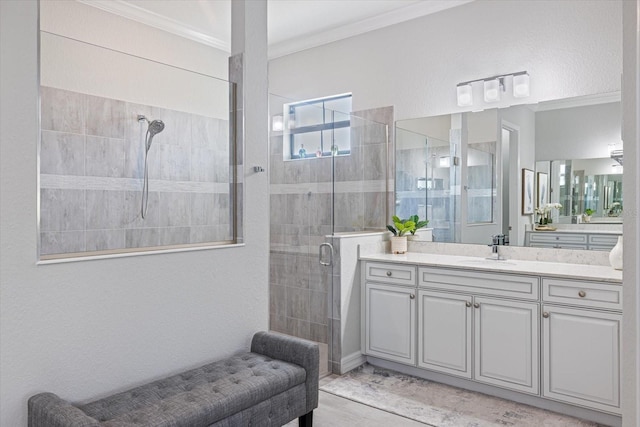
(320, 258)
(468, 303)
(582, 294)
(258, 169)
(388, 274)
(412, 296)
(545, 314)
(476, 305)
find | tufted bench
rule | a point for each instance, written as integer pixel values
(274, 383)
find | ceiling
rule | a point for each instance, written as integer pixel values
(293, 25)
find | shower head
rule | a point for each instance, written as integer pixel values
(155, 127)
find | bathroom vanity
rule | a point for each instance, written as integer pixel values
(548, 331)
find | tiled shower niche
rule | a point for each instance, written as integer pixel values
(91, 176)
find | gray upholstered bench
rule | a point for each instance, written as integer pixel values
(274, 383)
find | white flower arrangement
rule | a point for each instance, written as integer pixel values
(545, 212)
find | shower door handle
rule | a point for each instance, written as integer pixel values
(320, 252)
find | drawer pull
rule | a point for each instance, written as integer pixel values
(388, 274)
(412, 296)
(468, 303)
(545, 314)
(582, 294)
(476, 305)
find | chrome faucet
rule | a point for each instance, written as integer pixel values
(497, 240)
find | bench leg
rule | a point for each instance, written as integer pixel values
(306, 420)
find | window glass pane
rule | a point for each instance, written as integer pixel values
(341, 105)
(342, 138)
(308, 115)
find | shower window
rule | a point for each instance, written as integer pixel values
(318, 127)
(135, 155)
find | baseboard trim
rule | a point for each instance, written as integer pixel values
(351, 362)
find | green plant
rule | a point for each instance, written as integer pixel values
(401, 227)
(589, 212)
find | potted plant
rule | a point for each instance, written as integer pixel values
(400, 228)
(587, 215)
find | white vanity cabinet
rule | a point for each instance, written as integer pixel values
(486, 338)
(581, 343)
(390, 312)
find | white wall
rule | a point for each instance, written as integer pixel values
(87, 329)
(579, 132)
(570, 48)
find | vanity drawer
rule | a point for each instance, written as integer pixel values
(603, 239)
(390, 273)
(476, 282)
(587, 294)
(567, 238)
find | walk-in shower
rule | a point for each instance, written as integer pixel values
(153, 128)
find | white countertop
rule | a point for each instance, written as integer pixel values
(538, 268)
(579, 231)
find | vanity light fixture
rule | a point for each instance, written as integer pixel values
(521, 88)
(494, 87)
(465, 95)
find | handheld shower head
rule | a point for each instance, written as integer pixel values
(155, 127)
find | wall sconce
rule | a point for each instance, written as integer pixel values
(493, 88)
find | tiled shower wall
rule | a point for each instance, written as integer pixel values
(301, 300)
(91, 170)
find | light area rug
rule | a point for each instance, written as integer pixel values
(439, 405)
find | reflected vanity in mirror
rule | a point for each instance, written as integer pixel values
(463, 172)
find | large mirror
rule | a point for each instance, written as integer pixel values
(464, 171)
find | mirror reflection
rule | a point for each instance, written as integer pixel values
(464, 171)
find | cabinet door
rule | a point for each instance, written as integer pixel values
(506, 343)
(444, 332)
(581, 362)
(390, 322)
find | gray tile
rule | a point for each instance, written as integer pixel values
(177, 127)
(61, 242)
(278, 323)
(62, 153)
(221, 211)
(134, 153)
(104, 157)
(297, 209)
(335, 298)
(336, 341)
(298, 303)
(278, 209)
(221, 167)
(174, 236)
(62, 210)
(132, 208)
(348, 211)
(277, 300)
(375, 161)
(276, 169)
(375, 210)
(204, 131)
(319, 277)
(141, 237)
(321, 170)
(349, 168)
(62, 110)
(174, 209)
(299, 328)
(318, 307)
(104, 117)
(203, 234)
(105, 209)
(203, 164)
(296, 271)
(203, 208)
(295, 172)
(101, 240)
(319, 333)
(290, 237)
(320, 211)
(275, 145)
(169, 162)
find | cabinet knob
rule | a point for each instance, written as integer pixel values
(388, 273)
(476, 305)
(468, 303)
(412, 296)
(582, 294)
(545, 314)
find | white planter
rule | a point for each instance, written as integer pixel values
(615, 256)
(398, 244)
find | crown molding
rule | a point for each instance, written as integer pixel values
(396, 16)
(152, 19)
(579, 101)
